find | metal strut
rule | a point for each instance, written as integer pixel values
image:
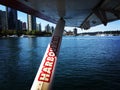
(46, 70)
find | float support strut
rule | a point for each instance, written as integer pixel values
(46, 70)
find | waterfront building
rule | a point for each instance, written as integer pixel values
(38, 27)
(31, 22)
(19, 25)
(3, 21)
(75, 31)
(24, 26)
(52, 29)
(11, 18)
(47, 28)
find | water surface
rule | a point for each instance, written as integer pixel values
(84, 63)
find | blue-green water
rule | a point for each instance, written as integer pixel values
(84, 63)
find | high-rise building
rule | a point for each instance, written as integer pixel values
(38, 27)
(31, 22)
(3, 20)
(12, 18)
(19, 25)
(24, 25)
(52, 29)
(75, 31)
(47, 28)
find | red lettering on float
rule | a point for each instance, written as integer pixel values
(48, 64)
(51, 54)
(50, 60)
(47, 70)
(44, 77)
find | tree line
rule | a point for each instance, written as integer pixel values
(98, 33)
(24, 32)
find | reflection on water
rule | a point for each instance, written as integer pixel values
(84, 63)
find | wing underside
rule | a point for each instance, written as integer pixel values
(78, 13)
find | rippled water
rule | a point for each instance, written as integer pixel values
(84, 63)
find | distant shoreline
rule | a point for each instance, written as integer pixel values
(105, 33)
(34, 33)
(23, 33)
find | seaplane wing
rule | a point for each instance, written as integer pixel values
(78, 13)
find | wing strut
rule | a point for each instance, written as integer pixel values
(46, 70)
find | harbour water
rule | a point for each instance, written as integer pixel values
(84, 63)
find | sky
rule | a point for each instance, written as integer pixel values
(110, 26)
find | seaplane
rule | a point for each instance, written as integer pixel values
(77, 13)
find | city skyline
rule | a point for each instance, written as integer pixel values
(115, 25)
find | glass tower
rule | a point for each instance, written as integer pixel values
(31, 22)
(12, 18)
